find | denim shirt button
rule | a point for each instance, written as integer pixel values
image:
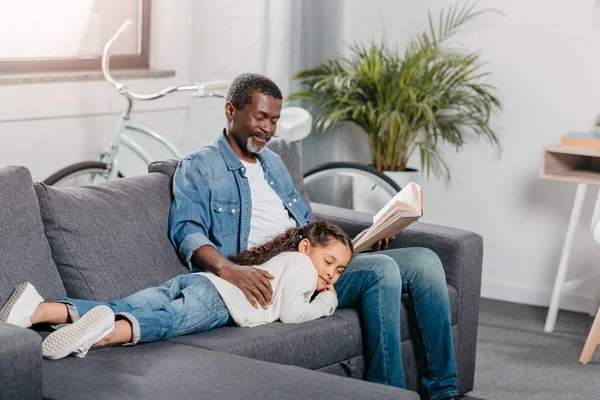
(220, 209)
(295, 200)
(271, 183)
(233, 210)
(290, 204)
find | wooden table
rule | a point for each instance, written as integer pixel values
(582, 166)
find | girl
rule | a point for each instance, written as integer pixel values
(302, 261)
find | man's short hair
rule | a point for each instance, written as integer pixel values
(244, 85)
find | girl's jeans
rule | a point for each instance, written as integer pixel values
(185, 304)
(373, 284)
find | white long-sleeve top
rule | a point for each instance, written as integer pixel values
(293, 286)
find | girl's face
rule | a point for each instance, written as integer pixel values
(329, 261)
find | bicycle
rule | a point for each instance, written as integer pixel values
(351, 185)
(106, 165)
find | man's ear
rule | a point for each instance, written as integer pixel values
(229, 111)
(304, 245)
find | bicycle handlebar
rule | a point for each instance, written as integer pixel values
(202, 89)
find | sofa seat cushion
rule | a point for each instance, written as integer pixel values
(111, 239)
(312, 344)
(316, 343)
(165, 370)
(24, 251)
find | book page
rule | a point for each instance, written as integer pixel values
(409, 198)
(365, 243)
(397, 214)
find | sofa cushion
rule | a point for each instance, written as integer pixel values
(165, 370)
(312, 340)
(110, 240)
(315, 343)
(24, 251)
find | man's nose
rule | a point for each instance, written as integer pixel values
(269, 127)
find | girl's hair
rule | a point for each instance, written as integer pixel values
(319, 234)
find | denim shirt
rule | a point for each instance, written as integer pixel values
(212, 204)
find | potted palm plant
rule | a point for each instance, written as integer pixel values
(408, 103)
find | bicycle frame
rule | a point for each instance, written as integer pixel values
(111, 155)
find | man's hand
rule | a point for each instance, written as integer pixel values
(382, 244)
(253, 282)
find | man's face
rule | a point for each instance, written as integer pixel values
(254, 125)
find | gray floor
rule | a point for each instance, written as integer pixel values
(516, 359)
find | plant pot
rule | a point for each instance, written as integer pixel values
(403, 178)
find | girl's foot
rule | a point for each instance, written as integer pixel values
(21, 305)
(78, 337)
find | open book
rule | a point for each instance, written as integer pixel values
(402, 210)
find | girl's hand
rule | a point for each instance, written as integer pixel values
(331, 289)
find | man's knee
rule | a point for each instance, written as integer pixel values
(385, 271)
(430, 266)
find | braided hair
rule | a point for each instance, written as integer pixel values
(319, 234)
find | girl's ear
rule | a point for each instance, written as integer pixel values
(304, 245)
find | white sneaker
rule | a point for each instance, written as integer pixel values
(21, 305)
(78, 337)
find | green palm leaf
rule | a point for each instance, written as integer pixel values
(434, 92)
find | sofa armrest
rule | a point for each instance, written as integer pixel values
(461, 253)
(20, 363)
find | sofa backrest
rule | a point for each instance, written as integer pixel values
(111, 239)
(290, 155)
(24, 251)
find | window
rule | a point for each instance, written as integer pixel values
(69, 35)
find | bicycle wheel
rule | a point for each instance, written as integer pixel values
(83, 173)
(350, 185)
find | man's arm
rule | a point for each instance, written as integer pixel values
(189, 222)
(189, 218)
(253, 282)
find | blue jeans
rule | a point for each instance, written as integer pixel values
(185, 304)
(373, 284)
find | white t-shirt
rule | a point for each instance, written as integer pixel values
(294, 284)
(269, 215)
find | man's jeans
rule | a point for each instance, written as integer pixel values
(373, 284)
(185, 304)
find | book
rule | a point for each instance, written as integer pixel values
(589, 140)
(402, 210)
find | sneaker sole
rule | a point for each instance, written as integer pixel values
(61, 343)
(5, 312)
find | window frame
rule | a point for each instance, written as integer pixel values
(87, 63)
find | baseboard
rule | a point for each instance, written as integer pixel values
(535, 296)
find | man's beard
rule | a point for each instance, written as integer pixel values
(252, 147)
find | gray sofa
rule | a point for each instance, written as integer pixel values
(107, 241)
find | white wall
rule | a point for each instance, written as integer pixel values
(543, 56)
(244, 36)
(48, 126)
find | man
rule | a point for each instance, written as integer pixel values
(235, 194)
